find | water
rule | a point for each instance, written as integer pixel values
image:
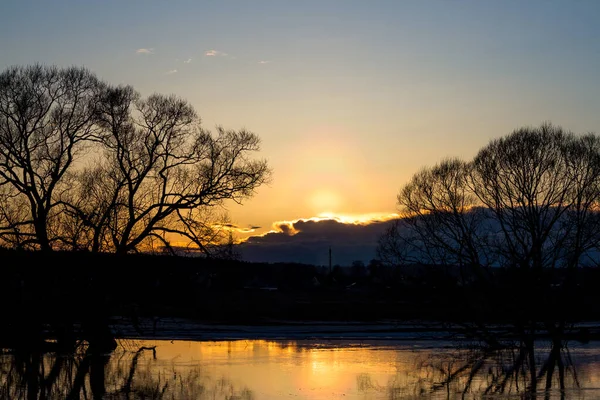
(303, 369)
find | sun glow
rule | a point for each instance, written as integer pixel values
(325, 199)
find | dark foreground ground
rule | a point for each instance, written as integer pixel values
(141, 294)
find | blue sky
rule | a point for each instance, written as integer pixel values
(350, 98)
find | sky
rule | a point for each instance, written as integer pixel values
(350, 98)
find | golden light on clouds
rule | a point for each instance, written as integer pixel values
(359, 219)
(235, 228)
(289, 227)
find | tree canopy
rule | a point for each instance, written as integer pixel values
(85, 165)
(529, 200)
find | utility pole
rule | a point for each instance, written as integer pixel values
(329, 260)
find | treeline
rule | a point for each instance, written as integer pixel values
(46, 289)
(86, 165)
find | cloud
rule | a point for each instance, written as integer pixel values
(145, 51)
(171, 72)
(189, 60)
(236, 228)
(214, 53)
(264, 62)
(308, 241)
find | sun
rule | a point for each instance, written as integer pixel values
(324, 201)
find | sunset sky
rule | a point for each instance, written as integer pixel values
(350, 98)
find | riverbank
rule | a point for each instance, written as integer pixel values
(388, 330)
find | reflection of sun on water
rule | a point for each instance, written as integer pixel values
(309, 370)
(285, 368)
(326, 371)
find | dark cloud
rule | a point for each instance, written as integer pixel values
(308, 242)
(238, 228)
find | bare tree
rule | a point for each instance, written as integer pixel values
(155, 169)
(87, 209)
(202, 230)
(14, 219)
(530, 180)
(580, 228)
(46, 117)
(159, 165)
(395, 245)
(529, 199)
(441, 224)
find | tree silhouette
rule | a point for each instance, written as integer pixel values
(46, 119)
(151, 172)
(128, 372)
(442, 220)
(528, 200)
(531, 180)
(518, 367)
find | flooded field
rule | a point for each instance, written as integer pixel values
(305, 369)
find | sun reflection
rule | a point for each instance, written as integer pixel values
(307, 369)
